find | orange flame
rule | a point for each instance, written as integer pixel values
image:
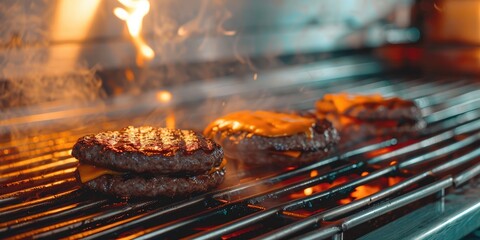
(365, 190)
(133, 14)
(164, 96)
(308, 191)
(394, 180)
(170, 120)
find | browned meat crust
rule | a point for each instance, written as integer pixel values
(269, 158)
(386, 117)
(156, 186)
(388, 109)
(357, 131)
(259, 150)
(149, 150)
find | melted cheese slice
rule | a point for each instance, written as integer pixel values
(293, 154)
(263, 123)
(220, 167)
(344, 101)
(90, 172)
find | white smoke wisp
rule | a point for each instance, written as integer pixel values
(27, 76)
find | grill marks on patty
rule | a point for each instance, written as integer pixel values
(151, 141)
(150, 150)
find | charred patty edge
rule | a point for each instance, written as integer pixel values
(393, 109)
(255, 149)
(156, 186)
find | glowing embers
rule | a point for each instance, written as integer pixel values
(165, 97)
(327, 195)
(318, 188)
(133, 14)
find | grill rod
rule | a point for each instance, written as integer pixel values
(331, 214)
(227, 228)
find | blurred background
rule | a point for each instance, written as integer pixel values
(70, 68)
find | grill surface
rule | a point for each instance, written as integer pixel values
(366, 189)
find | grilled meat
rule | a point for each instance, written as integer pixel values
(148, 162)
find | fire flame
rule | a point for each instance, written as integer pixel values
(365, 190)
(318, 188)
(133, 14)
(308, 191)
(165, 97)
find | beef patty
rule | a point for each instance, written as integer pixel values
(154, 186)
(359, 116)
(262, 137)
(369, 107)
(148, 161)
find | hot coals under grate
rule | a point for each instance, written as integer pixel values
(393, 188)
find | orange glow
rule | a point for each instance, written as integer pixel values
(339, 181)
(365, 190)
(394, 180)
(164, 96)
(72, 21)
(378, 152)
(133, 14)
(343, 101)
(117, 90)
(318, 188)
(393, 163)
(38, 215)
(364, 174)
(437, 7)
(220, 27)
(308, 191)
(30, 234)
(90, 172)
(129, 75)
(344, 201)
(313, 173)
(39, 200)
(170, 120)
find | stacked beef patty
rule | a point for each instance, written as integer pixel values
(359, 116)
(149, 162)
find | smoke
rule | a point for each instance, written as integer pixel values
(193, 41)
(30, 73)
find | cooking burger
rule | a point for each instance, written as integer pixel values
(356, 116)
(149, 162)
(272, 138)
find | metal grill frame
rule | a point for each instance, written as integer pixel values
(43, 168)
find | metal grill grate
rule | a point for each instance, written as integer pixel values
(363, 190)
